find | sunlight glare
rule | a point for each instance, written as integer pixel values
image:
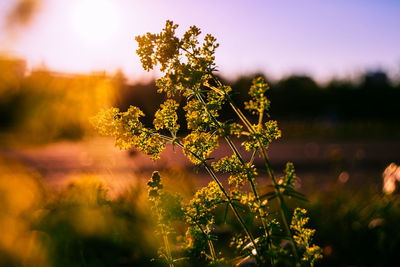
(95, 21)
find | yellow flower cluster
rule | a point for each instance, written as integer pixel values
(122, 125)
(263, 134)
(303, 236)
(166, 117)
(196, 117)
(240, 173)
(167, 50)
(198, 146)
(259, 102)
(200, 116)
(230, 129)
(149, 143)
(128, 130)
(290, 176)
(203, 203)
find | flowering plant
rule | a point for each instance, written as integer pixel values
(188, 67)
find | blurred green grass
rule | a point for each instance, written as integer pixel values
(82, 225)
(357, 227)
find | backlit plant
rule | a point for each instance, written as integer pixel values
(188, 71)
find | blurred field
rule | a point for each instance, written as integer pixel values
(97, 218)
(92, 205)
(319, 163)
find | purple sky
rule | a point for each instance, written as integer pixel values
(319, 38)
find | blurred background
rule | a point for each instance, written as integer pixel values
(334, 72)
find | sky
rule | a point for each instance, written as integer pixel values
(324, 39)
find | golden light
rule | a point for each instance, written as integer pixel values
(95, 21)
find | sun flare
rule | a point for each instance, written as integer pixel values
(95, 21)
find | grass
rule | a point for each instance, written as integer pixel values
(81, 225)
(356, 227)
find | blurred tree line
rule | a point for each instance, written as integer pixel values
(44, 105)
(364, 108)
(374, 97)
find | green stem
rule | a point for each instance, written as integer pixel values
(239, 218)
(212, 251)
(170, 261)
(284, 211)
(166, 244)
(253, 187)
(211, 246)
(253, 156)
(212, 174)
(209, 241)
(283, 208)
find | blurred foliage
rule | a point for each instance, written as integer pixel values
(22, 194)
(78, 226)
(356, 227)
(370, 97)
(45, 106)
(81, 225)
(85, 228)
(363, 108)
